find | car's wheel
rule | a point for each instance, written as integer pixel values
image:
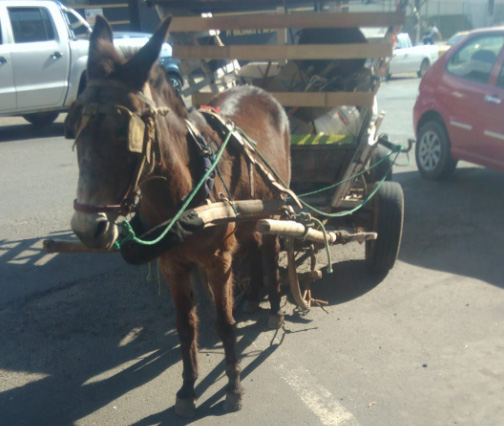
(41, 118)
(388, 221)
(386, 74)
(382, 169)
(423, 68)
(432, 152)
(176, 82)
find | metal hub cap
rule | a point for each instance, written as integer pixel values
(429, 151)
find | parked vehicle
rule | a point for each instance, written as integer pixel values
(443, 48)
(459, 113)
(408, 58)
(170, 64)
(43, 57)
(42, 62)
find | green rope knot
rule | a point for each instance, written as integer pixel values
(127, 234)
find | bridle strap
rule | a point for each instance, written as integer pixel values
(90, 209)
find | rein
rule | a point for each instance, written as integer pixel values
(141, 140)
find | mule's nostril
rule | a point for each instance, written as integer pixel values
(101, 228)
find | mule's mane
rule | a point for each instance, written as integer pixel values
(159, 82)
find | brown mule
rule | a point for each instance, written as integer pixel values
(132, 132)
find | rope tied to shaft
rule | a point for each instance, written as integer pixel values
(307, 220)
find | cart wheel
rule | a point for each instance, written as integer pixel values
(381, 253)
(383, 169)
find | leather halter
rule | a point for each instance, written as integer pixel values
(141, 138)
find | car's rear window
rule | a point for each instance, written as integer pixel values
(476, 59)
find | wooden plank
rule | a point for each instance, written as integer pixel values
(295, 20)
(306, 99)
(278, 53)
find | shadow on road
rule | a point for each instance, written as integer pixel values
(77, 349)
(455, 226)
(18, 132)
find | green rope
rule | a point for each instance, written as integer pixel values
(307, 220)
(230, 197)
(351, 211)
(149, 276)
(129, 233)
(397, 150)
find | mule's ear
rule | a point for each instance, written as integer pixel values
(102, 55)
(136, 71)
(101, 30)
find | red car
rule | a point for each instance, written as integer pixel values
(459, 112)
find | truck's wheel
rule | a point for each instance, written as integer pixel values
(41, 118)
(381, 253)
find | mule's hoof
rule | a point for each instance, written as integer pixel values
(249, 307)
(233, 402)
(185, 407)
(275, 321)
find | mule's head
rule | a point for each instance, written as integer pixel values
(110, 122)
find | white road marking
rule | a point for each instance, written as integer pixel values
(316, 397)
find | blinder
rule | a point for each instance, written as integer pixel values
(139, 129)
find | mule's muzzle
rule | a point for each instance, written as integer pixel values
(94, 230)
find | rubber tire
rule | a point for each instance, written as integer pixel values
(41, 118)
(176, 83)
(445, 165)
(424, 66)
(382, 253)
(387, 76)
(377, 173)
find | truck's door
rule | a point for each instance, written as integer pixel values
(7, 89)
(40, 58)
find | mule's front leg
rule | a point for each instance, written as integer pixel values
(187, 321)
(221, 280)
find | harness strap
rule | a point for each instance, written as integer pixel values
(250, 151)
(207, 157)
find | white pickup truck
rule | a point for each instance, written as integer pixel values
(42, 58)
(408, 58)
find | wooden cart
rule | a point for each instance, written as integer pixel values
(317, 160)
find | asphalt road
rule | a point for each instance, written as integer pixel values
(87, 340)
